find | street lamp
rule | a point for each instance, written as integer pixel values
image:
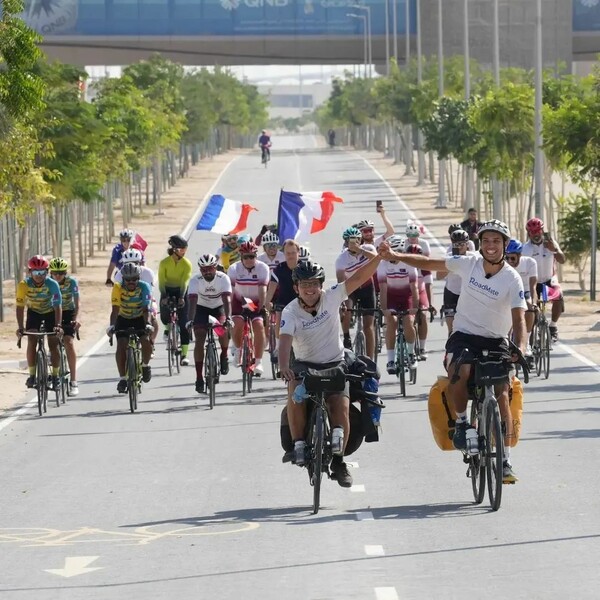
(363, 18)
(369, 35)
(539, 154)
(468, 170)
(420, 154)
(441, 203)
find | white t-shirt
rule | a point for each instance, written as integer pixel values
(210, 292)
(543, 257)
(527, 268)
(316, 339)
(453, 280)
(484, 307)
(246, 282)
(147, 275)
(272, 262)
(350, 263)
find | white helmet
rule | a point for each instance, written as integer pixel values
(397, 243)
(126, 233)
(364, 224)
(303, 253)
(131, 255)
(412, 230)
(269, 238)
(497, 226)
(207, 260)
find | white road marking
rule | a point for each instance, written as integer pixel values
(374, 550)
(575, 354)
(357, 488)
(365, 515)
(75, 565)
(354, 465)
(386, 593)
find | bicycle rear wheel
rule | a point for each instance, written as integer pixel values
(476, 469)
(132, 382)
(211, 373)
(41, 381)
(317, 442)
(494, 454)
(359, 344)
(537, 348)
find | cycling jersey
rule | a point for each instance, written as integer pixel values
(132, 303)
(282, 276)
(272, 262)
(40, 299)
(526, 268)
(228, 256)
(316, 339)
(210, 292)
(264, 140)
(543, 257)
(485, 303)
(69, 291)
(246, 282)
(146, 275)
(174, 273)
(398, 277)
(117, 253)
(350, 263)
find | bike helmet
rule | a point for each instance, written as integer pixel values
(132, 255)
(176, 241)
(207, 260)
(307, 269)
(248, 248)
(126, 233)
(497, 226)
(397, 243)
(412, 230)
(364, 224)
(245, 238)
(459, 235)
(58, 264)
(303, 253)
(270, 238)
(454, 227)
(351, 232)
(414, 249)
(514, 247)
(37, 262)
(130, 272)
(534, 226)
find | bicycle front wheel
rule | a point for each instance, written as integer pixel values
(317, 441)
(401, 358)
(537, 348)
(272, 345)
(359, 344)
(476, 469)
(175, 346)
(245, 374)
(169, 356)
(64, 375)
(494, 453)
(545, 350)
(132, 379)
(41, 381)
(211, 373)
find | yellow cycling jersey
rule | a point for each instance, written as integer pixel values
(131, 303)
(229, 256)
(174, 274)
(69, 291)
(40, 299)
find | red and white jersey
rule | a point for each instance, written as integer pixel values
(246, 282)
(210, 293)
(543, 257)
(397, 275)
(272, 262)
(350, 263)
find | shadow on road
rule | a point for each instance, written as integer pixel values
(567, 434)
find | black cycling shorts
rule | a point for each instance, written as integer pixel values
(203, 312)
(366, 297)
(450, 299)
(138, 323)
(302, 367)
(34, 320)
(460, 341)
(67, 323)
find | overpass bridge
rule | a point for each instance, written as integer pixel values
(238, 32)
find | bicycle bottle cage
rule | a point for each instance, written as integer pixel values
(327, 380)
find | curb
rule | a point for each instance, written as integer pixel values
(13, 364)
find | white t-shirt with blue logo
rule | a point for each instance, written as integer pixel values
(316, 339)
(484, 307)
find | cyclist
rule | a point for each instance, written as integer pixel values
(41, 295)
(526, 267)
(457, 227)
(69, 291)
(331, 137)
(546, 251)
(249, 279)
(398, 284)
(131, 302)
(303, 253)
(367, 229)
(471, 225)
(136, 257)
(491, 301)
(229, 251)
(209, 295)
(264, 143)
(272, 255)
(174, 273)
(352, 258)
(312, 325)
(127, 240)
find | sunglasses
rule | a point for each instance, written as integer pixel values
(309, 284)
(512, 258)
(367, 230)
(125, 239)
(39, 272)
(270, 245)
(59, 272)
(248, 255)
(130, 279)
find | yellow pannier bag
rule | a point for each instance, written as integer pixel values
(442, 416)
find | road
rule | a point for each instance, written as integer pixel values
(178, 501)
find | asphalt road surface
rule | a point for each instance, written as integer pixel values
(178, 501)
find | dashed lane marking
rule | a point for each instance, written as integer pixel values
(375, 550)
(357, 488)
(365, 515)
(386, 593)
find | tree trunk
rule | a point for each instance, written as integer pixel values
(72, 237)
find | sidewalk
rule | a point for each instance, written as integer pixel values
(576, 326)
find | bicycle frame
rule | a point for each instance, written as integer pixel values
(173, 342)
(211, 368)
(248, 358)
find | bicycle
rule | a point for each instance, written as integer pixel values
(486, 465)
(133, 363)
(541, 341)
(418, 318)
(42, 374)
(211, 361)
(264, 156)
(63, 372)
(173, 341)
(360, 344)
(248, 358)
(273, 343)
(378, 325)
(403, 364)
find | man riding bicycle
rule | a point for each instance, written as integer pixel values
(229, 252)
(264, 143)
(41, 294)
(312, 325)
(209, 295)
(131, 303)
(491, 301)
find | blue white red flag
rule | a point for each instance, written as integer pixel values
(302, 214)
(223, 216)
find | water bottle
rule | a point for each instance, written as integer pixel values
(472, 441)
(371, 384)
(299, 395)
(337, 440)
(375, 412)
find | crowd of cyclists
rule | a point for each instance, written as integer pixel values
(492, 283)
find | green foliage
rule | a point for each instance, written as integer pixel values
(574, 228)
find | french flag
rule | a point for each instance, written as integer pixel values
(139, 243)
(302, 214)
(222, 215)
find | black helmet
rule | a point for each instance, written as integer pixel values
(459, 235)
(307, 269)
(176, 241)
(453, 228)
(130, 271)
